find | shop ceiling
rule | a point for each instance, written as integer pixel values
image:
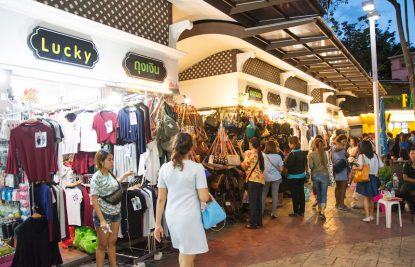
(293, 31)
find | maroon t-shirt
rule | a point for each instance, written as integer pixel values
(33, 144)
(106, 124)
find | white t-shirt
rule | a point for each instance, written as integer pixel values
(374, 163)
(72, 136)
(73, 205)
(89, 142)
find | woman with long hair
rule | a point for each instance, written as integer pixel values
(182, 184)
(296, 167)
(317, 162)
(254, 167)
(107, 216)
(353, 149)
(368, 189)
(272, 173)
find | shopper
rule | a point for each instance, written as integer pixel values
(404, 146)
(254, 167)
(106, 216)
(317, 162)
(272, 173)
(391, 144)
(408, 187)
(182, 184)
(368, 189)
(353, 150)
(340, 170)
(296, 168)
(237, 146)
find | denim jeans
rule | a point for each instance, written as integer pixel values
(321, 183)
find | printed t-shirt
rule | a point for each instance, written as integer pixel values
(102, 185)
(248, 164)
(73, 206)
(33, 144)
(106, 124)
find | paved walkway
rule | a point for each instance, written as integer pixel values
(343, 240)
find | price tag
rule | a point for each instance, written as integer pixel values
(133, 118)
(40, 139)
(227, 203)
(109, 126)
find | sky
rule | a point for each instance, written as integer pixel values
(354, 10)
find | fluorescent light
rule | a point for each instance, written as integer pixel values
(368, 5)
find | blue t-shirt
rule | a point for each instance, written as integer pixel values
(404, 145)
(271, 161)
(337, 156)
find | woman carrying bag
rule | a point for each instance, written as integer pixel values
(253, 165)
(107, 212)
(273, 168)
(317, 162)
(367, 186)
(182, 184)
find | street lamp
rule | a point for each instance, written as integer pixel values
(369, 7)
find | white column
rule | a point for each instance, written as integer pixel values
(375, 82)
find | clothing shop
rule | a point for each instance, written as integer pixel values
(68, 92)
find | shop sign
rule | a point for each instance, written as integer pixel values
(407, 100)
(60, 47)
(254, 94)
(291, 103)
(143, 67)
(303, 106)
(274, 99)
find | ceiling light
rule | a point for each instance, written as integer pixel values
(368, 5)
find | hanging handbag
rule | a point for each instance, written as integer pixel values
(362, 176)
(213, 214)
(115, 197)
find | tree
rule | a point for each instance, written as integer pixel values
(356, 38)
(405, 48)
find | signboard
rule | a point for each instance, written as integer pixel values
(303, 106)
(63, 48)
(274, 99)
(143, 67)
(254, 94)
(291, 103)
(407, 100)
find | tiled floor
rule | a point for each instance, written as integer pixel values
(343, 240)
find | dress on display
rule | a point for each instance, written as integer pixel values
(304, 140)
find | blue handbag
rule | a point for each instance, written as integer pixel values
(212, 215)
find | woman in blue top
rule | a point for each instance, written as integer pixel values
(340, 170)
(273, 168)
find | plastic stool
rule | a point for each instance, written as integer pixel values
(388, 206)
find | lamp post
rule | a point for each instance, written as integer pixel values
(369, 7)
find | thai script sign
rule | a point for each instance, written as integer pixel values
(143, 67)
(60, 47)
(254, 94)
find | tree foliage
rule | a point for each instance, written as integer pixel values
(355, 35)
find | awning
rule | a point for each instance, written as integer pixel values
(293, 31)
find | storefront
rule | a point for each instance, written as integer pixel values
(55, 64)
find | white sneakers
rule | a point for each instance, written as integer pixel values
(369, 219)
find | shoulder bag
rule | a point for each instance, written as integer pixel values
(362, 176)
(115, 197)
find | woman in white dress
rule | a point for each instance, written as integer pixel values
(182, 184)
